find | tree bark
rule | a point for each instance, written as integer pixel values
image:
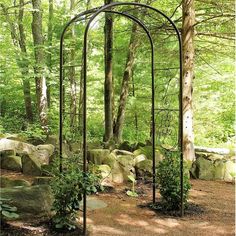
(25, 66)
(49, 54)
(18, 40)
(39, 68)
(118, 128)
(81, 92)
(73, 97)
(188, 13)
(108, 84)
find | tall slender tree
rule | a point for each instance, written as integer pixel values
(188, 16)
(118, 128)
(73, 97)
(19, 41)
(49, 44)
(39, 68)
(108, 84)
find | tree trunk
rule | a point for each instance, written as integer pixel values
(39, 68)
(188, 76)
(108, 85)
(21, 60)
(81, 92)
(25, 65)
(73, 96)
(125, 85)
(49, 55)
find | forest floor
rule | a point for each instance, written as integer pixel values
(214, 214)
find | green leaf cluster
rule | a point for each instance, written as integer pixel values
(8, 211)
(68, 187)
(168, 179)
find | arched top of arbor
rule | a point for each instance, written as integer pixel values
(109, 8)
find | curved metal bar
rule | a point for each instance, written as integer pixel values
(61, 79)
(85, 100)
(98, 11)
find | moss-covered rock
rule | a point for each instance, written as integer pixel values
(44, 153)
(117, 173)
(106, 174)
(31, 165)
(97, 156)
(210, 166)
(126, 161)
(31, 202)
(6, 182)
(11, 163)
(110, 160)
(42, 180)
(144, 168)
(230, 171)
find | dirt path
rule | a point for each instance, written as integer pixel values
(123, 216)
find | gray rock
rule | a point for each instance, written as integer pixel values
(11, 163)
(44, 152)
(117, 173)
(213, 167)
(42, 180)
(20, 148)
(31, 202)
(105, 171)
(7, 152)
(97, 156)
(31, 165)
(6, 182)
(144, 168)
(230, 171)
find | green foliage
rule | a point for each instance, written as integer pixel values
(8, 211)
(214, 72)
(168, 179)
(68, 188)
(133, 192)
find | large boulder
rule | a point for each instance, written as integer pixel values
(41, 180)
(40, 152)
(11, 163)
(6, 182)
(44, 152)
(230, 170)
(31, 165)
(97, 156)
(117, 173)
(105, 172)
(6, 153)
(31, 202)
(209, 166)
(19, 147)
(144, 168)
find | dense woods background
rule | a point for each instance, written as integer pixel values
(29, 71)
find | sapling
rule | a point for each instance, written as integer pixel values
(132, 193)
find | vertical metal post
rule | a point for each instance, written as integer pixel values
(96, 11)
(181, 126)
(61, 101)
(153, 128)
(85, 130)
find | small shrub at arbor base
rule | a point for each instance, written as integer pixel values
(168, 179)
(68, 188)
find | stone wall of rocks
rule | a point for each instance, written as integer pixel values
(209, 166)
(24, 157)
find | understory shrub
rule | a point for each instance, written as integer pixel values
(68, 188)
(168, 179)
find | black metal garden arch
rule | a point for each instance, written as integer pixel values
(95, 12)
